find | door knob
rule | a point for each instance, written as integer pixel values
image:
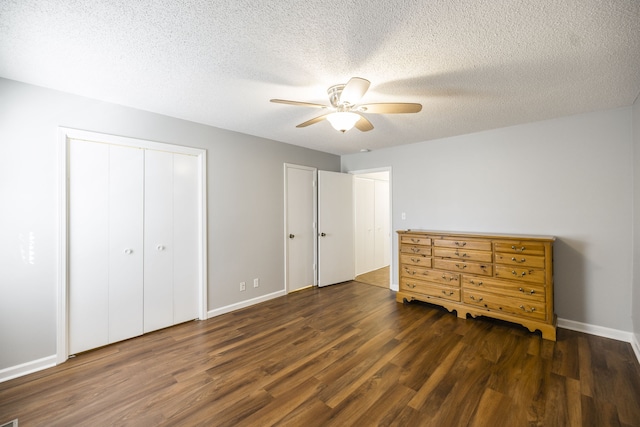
(323, 234)
(291, 236)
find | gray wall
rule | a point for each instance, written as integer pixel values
(245, 205)
(570, 177)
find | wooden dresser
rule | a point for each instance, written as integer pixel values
(508, 277)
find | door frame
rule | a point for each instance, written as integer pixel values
(64, 136)
(392, 259)
(315, 223)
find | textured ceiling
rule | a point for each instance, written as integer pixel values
(472, 64)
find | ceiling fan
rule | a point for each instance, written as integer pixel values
(346, 111)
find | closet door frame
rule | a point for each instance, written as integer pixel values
(64, 136)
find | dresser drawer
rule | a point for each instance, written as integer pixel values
(519, 247)
(522, 274)
(431, 289)
(443, 277)
(464, 254)
(415, 249)
(463, 266)
(419, 260)
(415, 240)
(479, 245)
(523, 291)
(534, 261)
(503, 304)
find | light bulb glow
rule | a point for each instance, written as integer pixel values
(343, 120)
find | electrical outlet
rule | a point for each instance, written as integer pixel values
(256, 282)
(243, 286)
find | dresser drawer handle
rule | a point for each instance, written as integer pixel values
(415, 250)
(474, 298)
(521, 260)
(411, 285)
(521, 249)
(463, 266)
(411, 272)
(448, 293)
(524, 273)
(528, 311)
(474, 283)
(463, 244)
(415, 259)
(414, 240)
(531, 291)
(463, 255)
(450, 278)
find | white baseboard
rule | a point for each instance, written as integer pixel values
(635, 344)
(27, 368)
(601, 331)
(244, 304)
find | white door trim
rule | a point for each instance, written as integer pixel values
(66, 134)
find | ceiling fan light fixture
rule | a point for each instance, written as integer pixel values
(343, 120)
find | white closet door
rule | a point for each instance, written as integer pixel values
(364, 225)
(382, 237)
(171, 239)
(88, 245)
(125, 242)
(159, 247)
(186, 235)
(105, 244)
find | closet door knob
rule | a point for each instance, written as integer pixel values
(160, 248)
(128, 251)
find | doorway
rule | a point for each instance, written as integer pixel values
(372, 222)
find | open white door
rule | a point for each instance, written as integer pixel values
(336, 253)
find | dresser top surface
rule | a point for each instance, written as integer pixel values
(441, 233)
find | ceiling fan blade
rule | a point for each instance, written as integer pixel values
(354, 90)
(298, 103)
(312, 121)
(390, 108)
(363, 124)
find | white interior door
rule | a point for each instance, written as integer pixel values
(336, 252)
(105, 236)
(171, 239)
(186, 237)
(88, 245)
(364, 225)
(300, 227)
(382, 239)
(126, 189)
(158, 244)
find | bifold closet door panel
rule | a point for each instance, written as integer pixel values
(186, 237)
(126, 198)
(171, 239)
(88, 245)
(159, 247)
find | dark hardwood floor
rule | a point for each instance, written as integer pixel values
(345, 355)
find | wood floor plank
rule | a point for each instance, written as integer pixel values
(343, 355)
